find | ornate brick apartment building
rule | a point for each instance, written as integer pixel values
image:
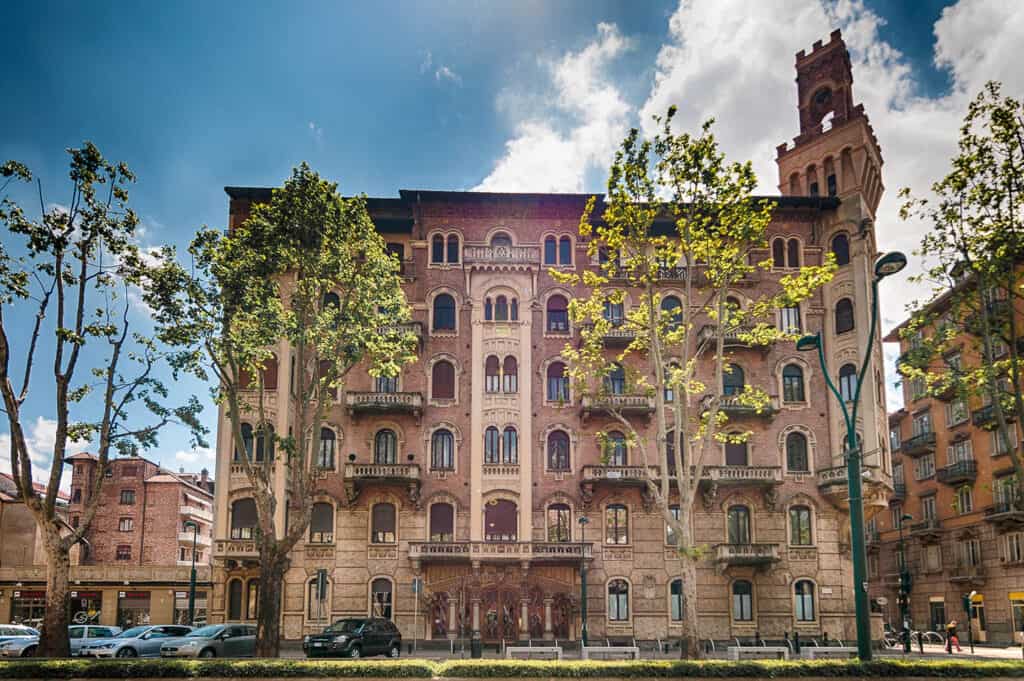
(953, 475)
(136, 567)
(473, 468)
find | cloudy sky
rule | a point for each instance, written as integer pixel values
(505, 96)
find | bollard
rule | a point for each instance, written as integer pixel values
(796, 642)
(757, 638)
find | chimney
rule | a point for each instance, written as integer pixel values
(204, 475)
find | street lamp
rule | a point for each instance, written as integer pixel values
(969, 610)
(583, 520)
(886, 265)
(904, 596)
(192, 575)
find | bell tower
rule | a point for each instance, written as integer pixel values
(836, 152)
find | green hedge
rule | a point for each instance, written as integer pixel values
(489, 669)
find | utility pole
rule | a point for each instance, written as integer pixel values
(192, 575)
(583, 520)
(905, 586)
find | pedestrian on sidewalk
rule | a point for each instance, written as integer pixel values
(951, 638)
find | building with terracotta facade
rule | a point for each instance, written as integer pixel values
(136, 567)
(952, 474)
(472, 469)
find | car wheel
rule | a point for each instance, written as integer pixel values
(355, 653)
(395, 651)
(29, 652)
(207, 653)
(127, 652)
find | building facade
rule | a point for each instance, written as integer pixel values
(135, 568)
(472, 470)
(953, 476)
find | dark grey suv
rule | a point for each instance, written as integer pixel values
(356, 637)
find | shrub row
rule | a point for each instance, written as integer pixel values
(491, 669)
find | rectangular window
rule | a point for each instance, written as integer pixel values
(959, 451)
(970, 553)
(127, 497)
(924, 467)
(956, 412)
(124, 552)
(125, 525)
(922, 423)
(894, 439)
(897, 516)
(918, 387)
(129, 472)
(873, 566)
(897, 475)
(928, 508)
(1000, 445)
(789, 319)
(670, 535)
(964, 500)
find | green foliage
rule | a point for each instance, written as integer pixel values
(195, 669)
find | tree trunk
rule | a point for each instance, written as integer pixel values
(54, 640)
(273, 565)
(689, 644)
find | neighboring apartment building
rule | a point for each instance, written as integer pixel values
(472, 469)
(136, 567)
(953, 475)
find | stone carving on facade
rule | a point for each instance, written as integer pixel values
(771, 498)
(646, 500)
(413, 494)
(586, 496)
(710, 495)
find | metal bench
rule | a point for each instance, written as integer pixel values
(821, 652)
(610, 653)
(758, 652)
(533, 653)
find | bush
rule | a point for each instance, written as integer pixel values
(185, 669)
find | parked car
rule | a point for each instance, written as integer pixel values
(216, 640)
(356, 637)
(136, 642)
(9, 631)
(79, 635)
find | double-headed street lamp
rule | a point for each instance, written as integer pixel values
(904, 594)
(192, 575)
(885, 265)
(583, 520)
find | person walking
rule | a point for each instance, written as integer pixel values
(951, 638)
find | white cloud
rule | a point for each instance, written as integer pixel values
(40, 437)
(446, 74)
(316, 131)
(428, 61)
(543, 157)
(199, 455)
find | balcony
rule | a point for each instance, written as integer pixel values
(985, 417)
(501, 470)
(872, 536)
(619, 475)
(929, 529)
(201, 539)
(876, 485)
(735, 407)
(921, 444)
(958, 473)
(197, 513)
(899, 491)
(1005, 513)
(384, 403)
(466, 551)
(743, 475)
(965, 573)
(734, 338)
(627, 405)
(736, 555)
(514, 256)
(236, 549)
(358, 475)
(414, 328)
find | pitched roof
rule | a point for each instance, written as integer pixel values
(40, 488)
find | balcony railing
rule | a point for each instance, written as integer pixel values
(627, 475)
(959, 472)
(501, 470)
(733, 405)
(196, 512)
(985, 417)
(1004, 510)
(966, 572)
(625, 404)
(383, 471)
(236, 548)
(734, 338)
(747, 554)
(379, 402)
(201, 539)
(500, 551)
(743, 475)
(501, 255)
(923, 443)
(899, 491)
(928, 526)
(414, 328)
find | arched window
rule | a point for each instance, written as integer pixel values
(247, 442)
(844, 315)
(437, 249)
(800, 526)
(615, 381)
(318, 606)
(235, 600)
(733, 380)
(331, 300)
(793, 253)
(565, 251)
(492, 445)
(559, 523)
(616, 524)
(492, 374)
(797, 460)
(550, 251)
(380, 598)
(382, 530)
(676, 600)
(841, 249)
(736, 454)
(442, 379)
(252, 599)
(848, 381)
(244, 519)
(501, 240)
(323, 375)
(444, 312)
(488, 310)
(614, 312)
(510, 446)
(670, 533)
(558, 383)
(779, 253)
(670, 451)
(453, 249)
(616, 452)
(510, 377)
(742, 601)
(325, 457)
(738, 525)
(803, 595)
(386, 384)
(442, 450)
(442, 522)
(618, 600)
(673, 309)
(321, 524)
(558, 314)
(793, 383)
(513, 309)
(264, 442)
(501, 309)
(385, 447)
(731, 312)
(500, 520)
(558, 450)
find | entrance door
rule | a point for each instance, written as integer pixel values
(938, 615)
(498, 612)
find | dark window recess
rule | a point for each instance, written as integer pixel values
(443, 380)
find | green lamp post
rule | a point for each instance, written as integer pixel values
(192, 574)
(583, 520)
(887, 264)
(905, 586)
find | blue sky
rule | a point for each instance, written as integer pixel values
(522, 95)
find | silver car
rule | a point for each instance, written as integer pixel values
(215, 640)
(79, 636)
(13, 631)
(136, 642)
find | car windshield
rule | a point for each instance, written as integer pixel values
(207, 632)
(134, 632)
(344, 627)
